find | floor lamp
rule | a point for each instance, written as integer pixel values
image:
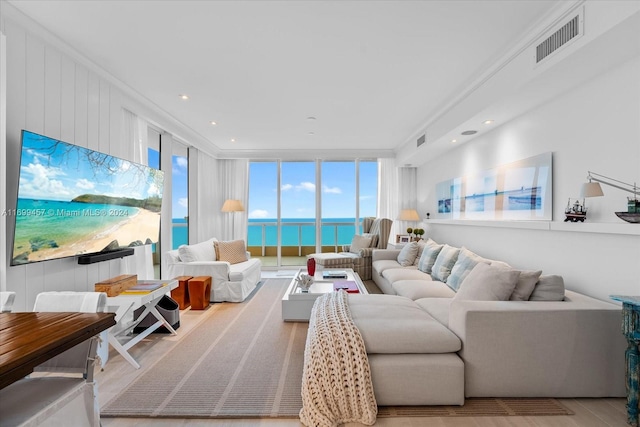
(232, 206)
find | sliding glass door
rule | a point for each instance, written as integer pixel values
(291, 204)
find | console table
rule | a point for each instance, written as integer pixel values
(631, 330)
(126, 303)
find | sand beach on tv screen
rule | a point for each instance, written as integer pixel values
(139, 227)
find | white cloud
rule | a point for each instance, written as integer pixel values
(43, 183)
(332, 190)
(85, 184)
(307, 186)
(366, 197)
(259, 213)
(286, 187)
(184, 202)
(182, 162)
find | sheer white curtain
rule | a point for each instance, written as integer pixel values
(134, 136)
(203, 208)
(231, 182)
(388, 197)
(134, 141)
(397, 190)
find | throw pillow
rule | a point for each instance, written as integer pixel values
(445, 261)
(429, 255)
(548, 288)
(408, 254)
(359, 242)
(525, 285)
(466, 261)
(421, 245)
(488, 283)
(233, 251)
(374, 239)
(203, 251)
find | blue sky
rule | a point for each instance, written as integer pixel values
(55, 170)
(298, 189)
(179, 184)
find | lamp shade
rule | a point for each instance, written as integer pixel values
(408, 215)
(232, 205)
(591, 189)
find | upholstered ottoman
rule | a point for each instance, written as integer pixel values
(413, 357)
(331, 260)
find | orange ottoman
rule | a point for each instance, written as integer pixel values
(199, 292)
(181, 293)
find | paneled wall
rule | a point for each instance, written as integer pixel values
(50, 93)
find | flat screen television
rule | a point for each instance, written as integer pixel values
(73, 201)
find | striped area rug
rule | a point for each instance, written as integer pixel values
(242, 361)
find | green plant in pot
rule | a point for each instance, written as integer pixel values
(409, 230)
(419, 232)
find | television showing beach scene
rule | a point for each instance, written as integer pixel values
(75, 201)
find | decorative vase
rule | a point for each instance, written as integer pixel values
(311, 266)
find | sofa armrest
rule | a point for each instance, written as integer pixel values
(379, 254)
(540, 349)
(218, 270)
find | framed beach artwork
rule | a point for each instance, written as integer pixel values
(520, 190)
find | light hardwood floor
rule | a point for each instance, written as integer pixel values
(118, 373)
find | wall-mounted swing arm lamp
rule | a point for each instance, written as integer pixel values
(593, 189)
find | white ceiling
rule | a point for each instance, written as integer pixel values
(372, 73)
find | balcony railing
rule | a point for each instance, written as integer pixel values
(301, 239)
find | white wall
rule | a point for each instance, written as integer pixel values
(593, 127)
(51, 93)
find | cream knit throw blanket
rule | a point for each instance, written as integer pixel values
(336, 380)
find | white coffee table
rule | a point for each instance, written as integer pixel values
(297, 305)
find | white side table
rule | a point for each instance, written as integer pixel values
(124, 305)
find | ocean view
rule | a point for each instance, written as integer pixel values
(290, 233)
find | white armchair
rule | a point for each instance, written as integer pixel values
(229, 282)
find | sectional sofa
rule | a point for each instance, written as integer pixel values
(453, 324)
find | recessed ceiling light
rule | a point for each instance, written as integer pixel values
(454, 140)
(311, 118)
(183, 96)
(488, 122)
(233, 140)
(469, 132)
(311, 133)
(213, 123)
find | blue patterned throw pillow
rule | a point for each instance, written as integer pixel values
(445, 261)
(429, 255)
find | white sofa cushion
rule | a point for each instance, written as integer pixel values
(392, 324)
(416, 289)
(444, 262)
(406, 273)
(429, 255)
(408, 254)
(203, 251)
(359, 242)
(525, 285)
(438, 308)
(548, 288)
(488, 283)
(384, 264)
(466, 261)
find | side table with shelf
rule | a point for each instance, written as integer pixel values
(631, 331)
(125, 304)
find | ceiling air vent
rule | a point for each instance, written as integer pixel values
(569, 31)
(421, 140)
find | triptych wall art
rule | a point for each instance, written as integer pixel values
(521, 190)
